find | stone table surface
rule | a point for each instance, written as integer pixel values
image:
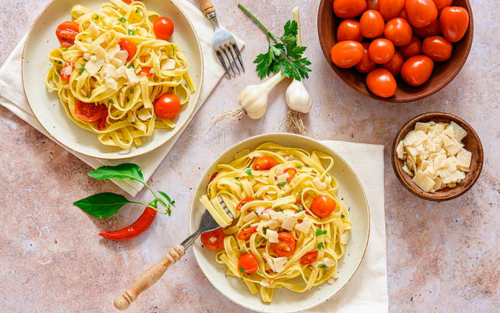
(441, 257)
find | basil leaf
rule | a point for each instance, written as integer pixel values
(127, 170)
(102, 205)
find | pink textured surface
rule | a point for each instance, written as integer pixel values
(441, 257)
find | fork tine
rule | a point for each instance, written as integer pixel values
(238, 54)
(229, 60)
(221, 59)
(234, 60)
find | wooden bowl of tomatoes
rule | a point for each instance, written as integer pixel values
(396, 50)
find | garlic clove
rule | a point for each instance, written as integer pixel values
(254, 98)
(298, 98)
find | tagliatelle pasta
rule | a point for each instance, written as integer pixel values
(115, 70)
(283, 224)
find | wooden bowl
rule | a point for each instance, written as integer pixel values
(472, 143)
(444, 72)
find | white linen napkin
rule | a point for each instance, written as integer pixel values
(367, 291)
(12, 97)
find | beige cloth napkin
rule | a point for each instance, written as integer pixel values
(12, 96)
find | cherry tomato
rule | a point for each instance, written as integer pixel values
(366, 64)
(349, 30)
(412, 49)
(372, 5)
(247, 263)
(243, 202)
(88, 112)
(381, 50)
(372, 24)
(395, 64)
(349, 8)
(403, 15)
(433, 29)
(67, 70)
(264, 163)
(167, 106)
(346, 54)
(130, 1)
(437, 48)
(163, 28)
(213, 240)
(323, 206)
(145, 71)
(398, 31)
(245, 234)
(381, 82)
(441, 4)
(309, 258)
(102, 122)
(390, 9)
(66, 33)
(454, 22)
(417, 70)
(420, 12)
(285, 246)
(291, 172)
(128, 46)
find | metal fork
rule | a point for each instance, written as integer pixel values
(223, 42)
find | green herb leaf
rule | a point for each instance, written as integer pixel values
(131, 66)
(298, 167)
(342, 216)
(321, 246)
(133, 123)
(320, 232)
(282, 184)
(322, 266)
(126, 170)
(244, 250)
(242, 269)
(102, 205)
(96, 17)
(122, 19)
(300, 208)
(249, 173)
(137, 11)
(81, 69)
(237, 178)
(172, 203)
(131, 32)
(111, 101)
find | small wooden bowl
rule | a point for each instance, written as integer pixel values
(444, 72)
(472, 143)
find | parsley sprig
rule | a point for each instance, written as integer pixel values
(283, 54)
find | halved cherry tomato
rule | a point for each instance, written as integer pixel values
(381, 50)
(264, 163)
(441, 4)
(167, 106)
(366, 64)
(349, 30)
(145, 71)
(128, 46)
(213, 176)
(245, 234)
(454, 22)
(163, 28)
(243, 202)
(324, 206)
(412, 49)
(291, 173)
(347, 54)
(349, 8)
(66, 33)
(433, 29)
(67, 70)
(102, 122)
(247, 263)
(372, 5)
(372, 24)
(417, 70)
(420, 12)
(309, 257)
(395, 64)
(382, 83)
(88, 112)
(286, 245)
(398, 31)
(437, 48)
(390, 9)
(213, 240)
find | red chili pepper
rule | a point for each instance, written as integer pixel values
(245, 234)
(134, 230)
(213, 176)
(291, 172)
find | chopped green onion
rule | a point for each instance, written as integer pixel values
(237, 178)
(111, 101)
(131, 32)
(122, 19)
(320, 232)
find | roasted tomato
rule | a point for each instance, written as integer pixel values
(433, 29)
(347, 54)
(67, 70)
(349, 30)
(324, 206)
(247, 233)
(454, 22)
(437, 48)
(412, 49)
(441, 4)
(247, 264)
(167, 106)
(163, 28)
(264, 163)
(381, 50)
(349, 8)
(213, 240)
(309, 257)
(390, 9)
(286, 245)
(398, 31)
(420, 12)
(395, 64)
(146, 72)
(101, 125)
(88, 112)
(372, 24)
(382, 83)
(417, 70)
(128, 46)
(66, 33)
(366, 64)
(243, 202)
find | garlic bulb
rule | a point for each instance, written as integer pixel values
(254, 98)
(298, 98)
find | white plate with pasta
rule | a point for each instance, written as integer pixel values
(295, 223)
(109, 79)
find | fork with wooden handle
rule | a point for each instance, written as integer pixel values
(155, 272)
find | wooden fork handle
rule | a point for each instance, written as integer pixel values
(207, 7)
(149, 278)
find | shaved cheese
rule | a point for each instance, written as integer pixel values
(289, 223)
(249, 217)
(273, 224)
(168, 65)
(93, 66)
(458, 131)
(304, 227)
(400, 150)
(67, 70)
(282, 178)
(422, 126)
(132, 76)
(329, 262)
(111, 83)
(113, 51)
(259, 210)
(279, 264)
(94, 30)
(100, 53)
(272, 236)
(122, 55)
(86, 56)
(423, 181)
(280, 216)
(345, 238)
(144, 114)
(464, 158)
(319, 184)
